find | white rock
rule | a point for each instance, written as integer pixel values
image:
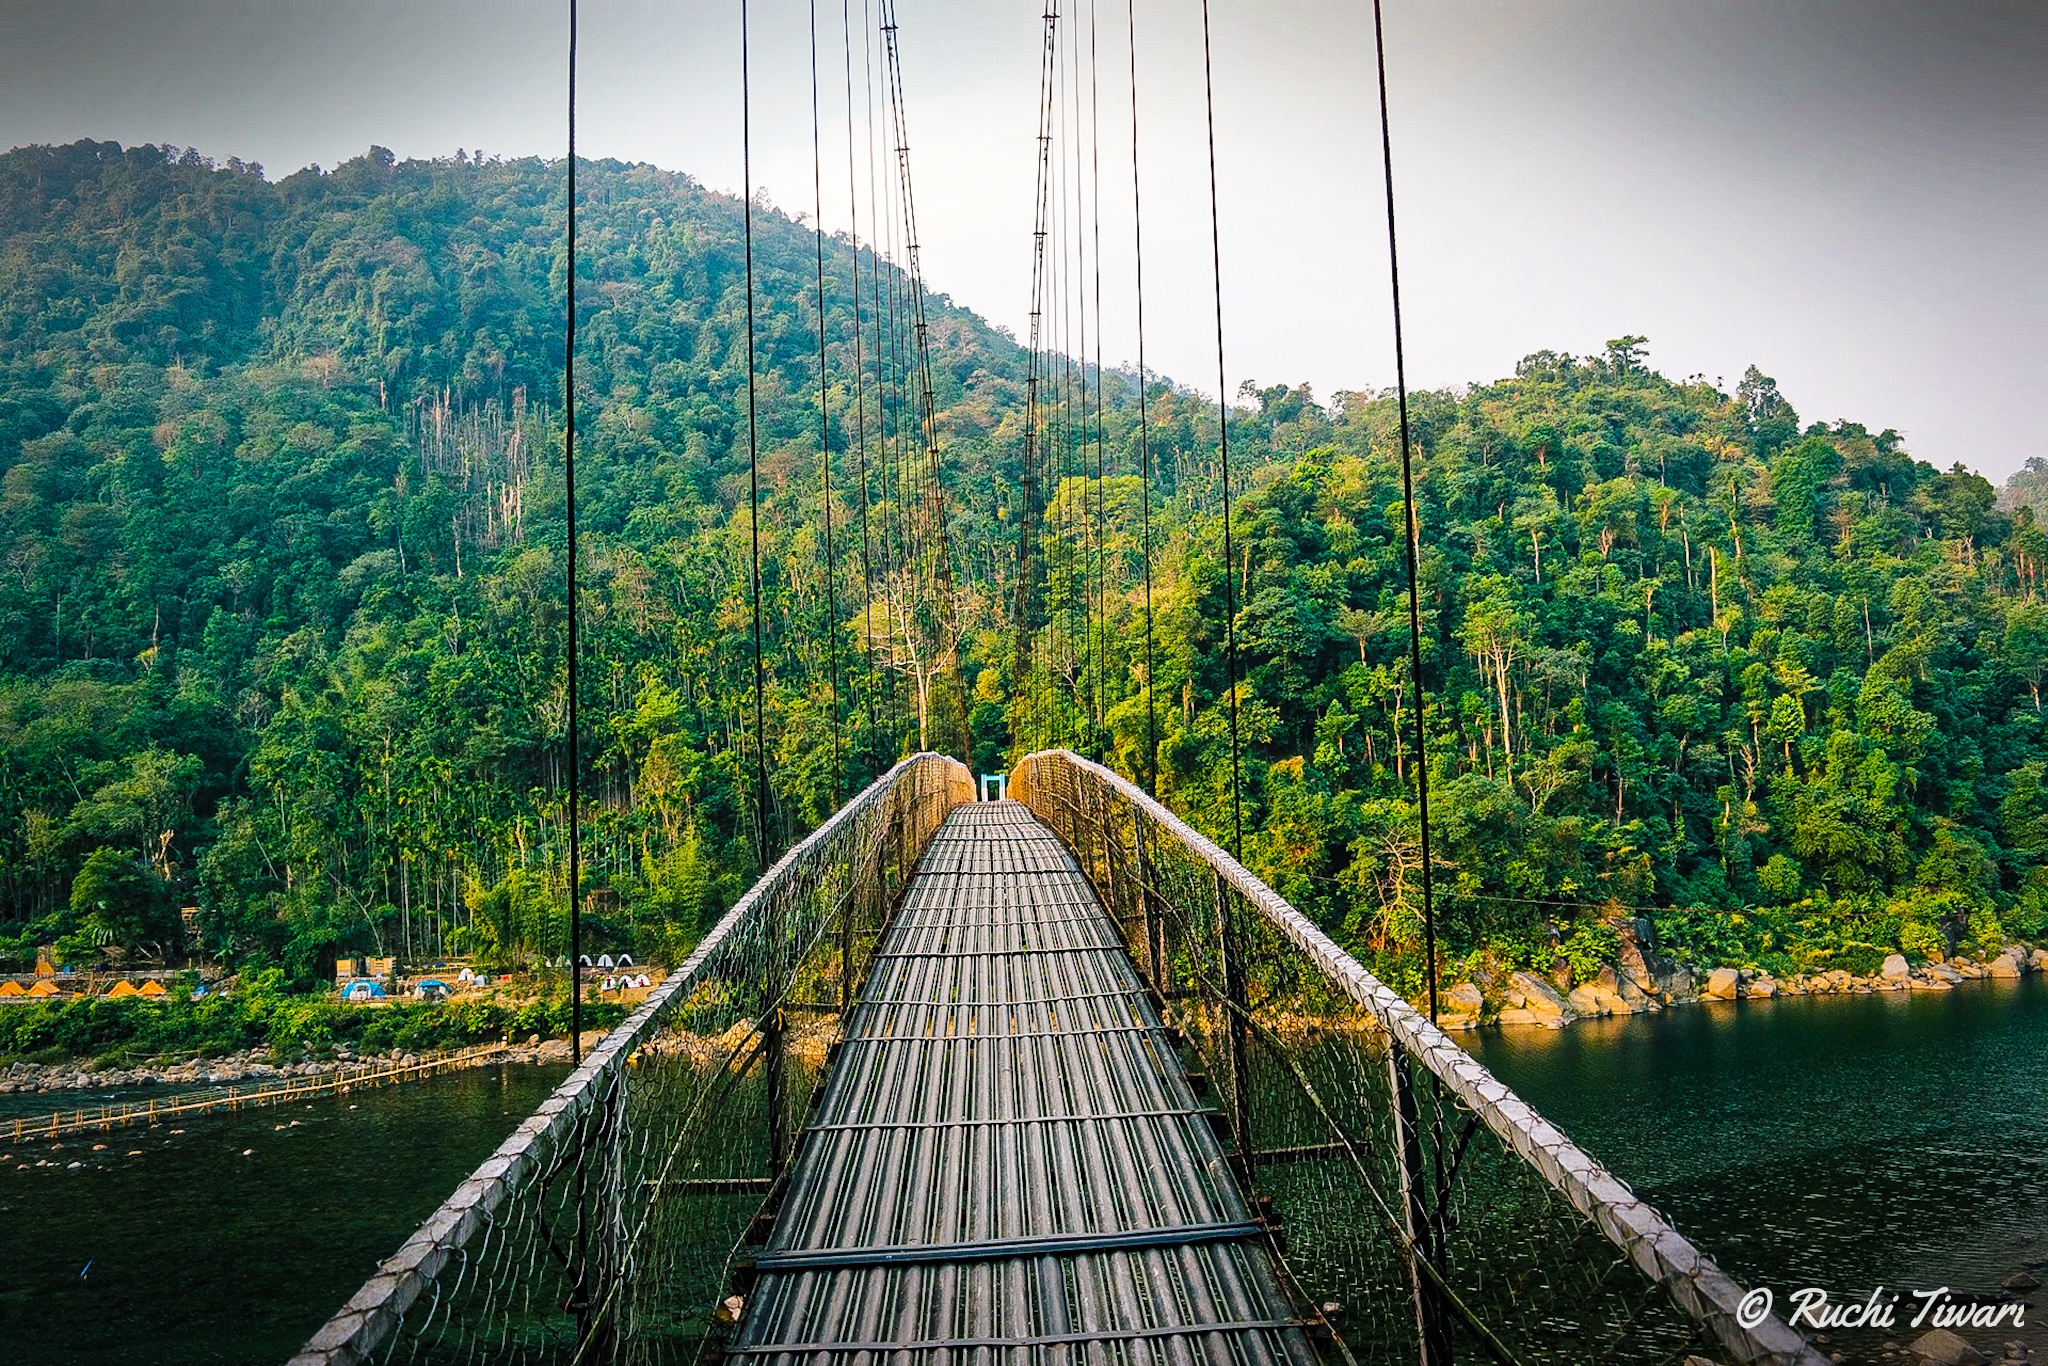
(1539, 1002)
(1895, 968)
(1723, 984)
(1943, 1348)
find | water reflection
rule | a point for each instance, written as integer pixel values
(231, 1237)
(1897, 1138)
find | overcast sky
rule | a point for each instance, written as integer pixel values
(1852, 196)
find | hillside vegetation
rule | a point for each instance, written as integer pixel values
(281, 623)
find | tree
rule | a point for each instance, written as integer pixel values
(113, 899)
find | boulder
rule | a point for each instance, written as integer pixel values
(2006, 964)
(1943, 1348)
(1678, 986)
(1460, 1007)
(1531, 1000)
(1895, 968)
(1723, 984)
(2021, 1281)
(1763, 984)
(1636, 998)
(1932, 983)
(2040, 960)
(1944, 972)
(1593, 1000)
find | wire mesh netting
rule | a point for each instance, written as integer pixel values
(1418, 1208)
(606, 1228)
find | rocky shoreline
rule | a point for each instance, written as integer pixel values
(250, 1065)
(1643, 982)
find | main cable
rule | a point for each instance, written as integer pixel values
(1223, 442)
(569, 510)
(753, 450)
(1414, 536)
(1099, 598)
(860, 394)
(825, 424)
(1144, 419)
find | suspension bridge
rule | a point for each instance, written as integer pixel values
(1048, 1079)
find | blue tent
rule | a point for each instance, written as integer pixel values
(431, 986)
(364, 990)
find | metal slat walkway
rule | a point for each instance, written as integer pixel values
(1007, 1160)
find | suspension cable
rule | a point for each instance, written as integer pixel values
(860, 396)
(1144, 420)
(1223, 442)
(1099, 599)
(1026, 701)
(1414, 536)
(569, 510)
(825, 423)
(753, 449)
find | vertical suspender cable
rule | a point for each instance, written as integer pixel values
(825, 421)
(1414, 536)
(569, 510)
(1223, 443)
(1144, 420)
(753, 450)
(860, 392)
(1099, 597)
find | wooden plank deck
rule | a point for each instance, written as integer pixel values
(1007, 1162)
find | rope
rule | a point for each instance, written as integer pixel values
(1099, 599)
(753, 447)
(860, 390)
(1144, 420)
(825, 422)
(569, 510)
(1414, 537)
(1223, 440)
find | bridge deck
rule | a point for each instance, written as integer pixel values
(1007, 1159)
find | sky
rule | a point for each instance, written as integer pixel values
(1851, 195)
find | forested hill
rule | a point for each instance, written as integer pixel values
(280, 628)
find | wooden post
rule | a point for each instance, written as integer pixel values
(1432, 1333)
(1231, 952)
(774, 982)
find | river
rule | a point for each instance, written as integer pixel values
(233, 1240)
(1841, 1142)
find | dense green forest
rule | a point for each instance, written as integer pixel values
(281, 626)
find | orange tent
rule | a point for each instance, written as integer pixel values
(151, 988)
(124, 987)
(45, 987)
(10, 987)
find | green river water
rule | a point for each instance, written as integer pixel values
(1839, 1142)
(233, 1240)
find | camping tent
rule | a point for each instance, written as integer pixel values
(151, 988)
(363, 990)
(45, 987)
(431, 989)
(124, 987)
(11, 987)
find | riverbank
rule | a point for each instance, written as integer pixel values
(255, 1065)
(1644, 983)
(234, 1034)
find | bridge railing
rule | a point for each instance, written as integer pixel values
(1418, 1207)
(607, 1226)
